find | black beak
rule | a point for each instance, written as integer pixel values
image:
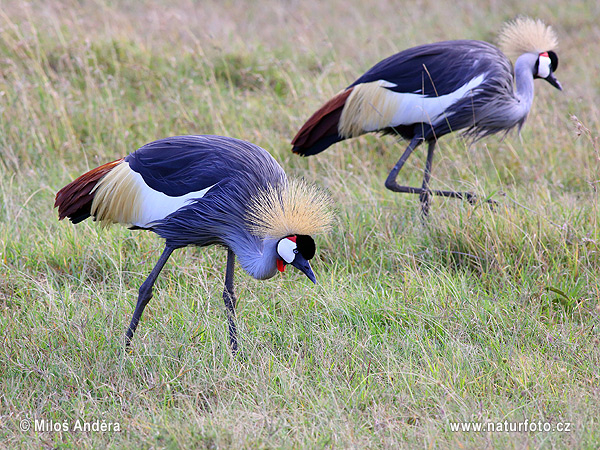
(553, 81)
(303, 265)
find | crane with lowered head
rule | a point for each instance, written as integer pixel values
(434, 89)
(200, 191)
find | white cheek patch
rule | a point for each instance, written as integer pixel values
(286, 248)
(544, 65)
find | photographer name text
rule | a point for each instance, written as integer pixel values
(46, 426)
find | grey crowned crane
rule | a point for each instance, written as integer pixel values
(200, 191)
(431, 90)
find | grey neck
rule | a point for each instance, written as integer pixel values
(524, 81)
(258, 257)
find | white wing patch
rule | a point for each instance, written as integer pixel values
(123, 197)
(371, 107)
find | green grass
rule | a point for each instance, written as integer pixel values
(481, 315)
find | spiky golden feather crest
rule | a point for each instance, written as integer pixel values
(526, 35)
(296, 207)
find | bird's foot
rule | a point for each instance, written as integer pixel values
(425, 198)
(474, 200)
(127, 348)
(425, 195)
(233, 345)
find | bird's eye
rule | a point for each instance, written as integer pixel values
(296, 251)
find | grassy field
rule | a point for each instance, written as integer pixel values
(478, 316)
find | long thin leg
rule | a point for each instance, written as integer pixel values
(229, 298)
(425, 196)
(145, 293)
(392, 185)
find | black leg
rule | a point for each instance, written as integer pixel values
(229, 298)
(145, 293)
(424, 192)
(425, 195)
(391, 183)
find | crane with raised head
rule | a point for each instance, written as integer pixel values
(434, 89)
(200, 191)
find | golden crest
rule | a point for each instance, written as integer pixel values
(295, 207)
(526, 35)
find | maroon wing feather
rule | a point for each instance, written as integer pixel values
(74, 200)
(322, 124)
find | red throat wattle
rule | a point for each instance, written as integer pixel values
(280, 265)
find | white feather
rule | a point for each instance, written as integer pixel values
(156, 205)
(416, 108)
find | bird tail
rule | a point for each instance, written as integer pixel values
(75, 199)
(321, 130)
